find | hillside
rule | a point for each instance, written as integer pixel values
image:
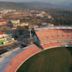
(31, 5)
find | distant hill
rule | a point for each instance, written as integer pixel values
(35, 5)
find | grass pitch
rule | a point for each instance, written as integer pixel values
(51, 60)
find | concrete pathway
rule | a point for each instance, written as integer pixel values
(7, 57)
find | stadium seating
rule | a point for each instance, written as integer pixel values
(49, 38)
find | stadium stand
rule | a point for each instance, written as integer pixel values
(49, 38)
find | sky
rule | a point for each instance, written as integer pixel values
(49, 1)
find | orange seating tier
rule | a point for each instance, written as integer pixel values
(48, 38)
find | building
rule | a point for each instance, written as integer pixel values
(15, 22)
(3, 22)
(24, 24)
(5, 39)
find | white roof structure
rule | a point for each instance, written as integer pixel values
(55, 27)
(3, 35)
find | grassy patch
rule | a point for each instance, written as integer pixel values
(52, 60)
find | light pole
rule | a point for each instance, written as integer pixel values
(30, 34)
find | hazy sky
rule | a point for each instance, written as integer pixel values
(50, 1)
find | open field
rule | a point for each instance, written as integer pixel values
(51, 60)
